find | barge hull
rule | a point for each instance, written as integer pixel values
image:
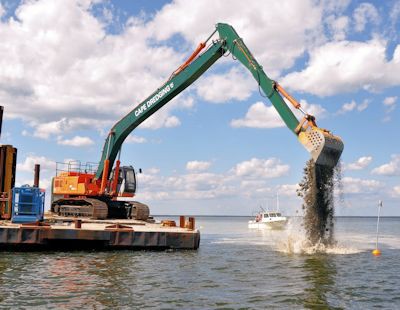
(95, 236)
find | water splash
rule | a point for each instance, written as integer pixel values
(296, 241)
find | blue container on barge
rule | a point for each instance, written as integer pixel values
(27, 204)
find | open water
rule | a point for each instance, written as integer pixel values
(234, 268)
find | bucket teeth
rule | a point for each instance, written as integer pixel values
(325, 148)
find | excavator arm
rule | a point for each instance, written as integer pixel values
(171, 88)
(324, 147)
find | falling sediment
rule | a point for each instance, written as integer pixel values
(317, 191)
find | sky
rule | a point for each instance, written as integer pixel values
(69, 69)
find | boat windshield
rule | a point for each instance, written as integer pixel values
(272, 214)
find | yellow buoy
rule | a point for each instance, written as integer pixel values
(376, 252)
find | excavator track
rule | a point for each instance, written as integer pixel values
(139, 211)
(81, 207)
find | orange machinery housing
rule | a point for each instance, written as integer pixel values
(76, 183)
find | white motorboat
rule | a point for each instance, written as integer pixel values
(269, 220)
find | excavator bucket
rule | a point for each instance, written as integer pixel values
(325, 148)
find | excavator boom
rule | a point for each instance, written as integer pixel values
(324, 147)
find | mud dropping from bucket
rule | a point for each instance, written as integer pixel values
(317, 191)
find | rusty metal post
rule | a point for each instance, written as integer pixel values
(78, 224)
(1, 118)
(37, 176)
(191, 223)
(182, 221)
(3, 155)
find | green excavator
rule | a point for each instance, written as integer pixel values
(100, 194)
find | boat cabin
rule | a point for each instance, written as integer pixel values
(272, 214)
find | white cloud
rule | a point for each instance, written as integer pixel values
(313, 109)
(396, 191)
(395, 13)
(390, 169)
(135, 139)
(77, 141)
(362, 106)
(62, 126)
(220, 88)
(335, 5)
(347, 107)
(363, 13)
(153, 170)
(351, 106)
(300, 25)
(356, 186)
(198, 184)
(338, 26)
(261, 168)
(390, 105)
(338, 67)
(359, 164)
(28, 165)
(44, 130)
(259, 115)
(197, 165)
(288, 189)
(193, 185)
(2, 10)
(201, 185)
(163, 117)
(390, 101)
(185, 102)
(107, 15)
(44, 183)
(58, 64)
(201, 181)
(249, 185)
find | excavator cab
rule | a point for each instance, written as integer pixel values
(324, 147)
(126, 185)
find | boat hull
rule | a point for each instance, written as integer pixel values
(267, 225)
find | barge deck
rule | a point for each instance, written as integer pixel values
(69, 233)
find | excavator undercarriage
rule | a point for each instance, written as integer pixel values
(80, 207)
(100, 210)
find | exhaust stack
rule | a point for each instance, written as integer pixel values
(36, 176)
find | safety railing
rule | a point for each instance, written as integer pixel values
(77, 167)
